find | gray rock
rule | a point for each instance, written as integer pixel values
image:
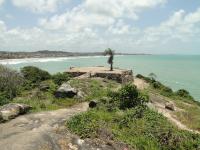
(65, 91)
(170, 106)
(80, 95)
(11, 111)
(44, 87)
(93, 104)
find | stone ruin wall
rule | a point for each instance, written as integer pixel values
(124, 77)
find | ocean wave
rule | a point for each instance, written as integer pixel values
(39, 60)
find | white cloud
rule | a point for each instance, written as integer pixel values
(119, 28)
(2, 26)
(120, 8)
(87, 27)
(180, 26)
(75, 21)
(39, 6)
(98, 13)
(1, 2)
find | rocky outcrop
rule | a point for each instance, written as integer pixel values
(11, 111)
(40, 131)
(96, 144)
(66, 91)
(119, 75)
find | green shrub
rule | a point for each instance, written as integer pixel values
(3, 99)
(10, 83)
(128, 96)
(166, 91)
(34, 75)
(183, 93)
(148, 80)
(60, 78)
(139, 76)
(157, 85)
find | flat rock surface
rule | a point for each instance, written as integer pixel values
(96, 70)
(38, 131)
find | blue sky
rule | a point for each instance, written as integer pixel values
(144, 26)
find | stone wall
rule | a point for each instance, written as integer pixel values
(123, 77)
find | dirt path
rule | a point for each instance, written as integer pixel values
(140, 84)
(157, 102)
(38, 131)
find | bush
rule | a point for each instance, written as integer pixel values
(60, 78)
(166, 91)
(128, 96)
(139, 76)
(157, 85)
(183, 93)
(148, 80)
(34, 75)
(3, 99)
(10, 82)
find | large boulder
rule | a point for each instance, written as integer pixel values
(65, 91)
(11, 111)
(170, 106)
(80, 95)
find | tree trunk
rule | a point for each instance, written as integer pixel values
(111, 67)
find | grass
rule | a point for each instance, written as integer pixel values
(190, 115)
(189, 109)
(94, 88)
(138, 126)
(151, 132)
(45, 100)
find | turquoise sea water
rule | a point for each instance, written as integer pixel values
(173, 70)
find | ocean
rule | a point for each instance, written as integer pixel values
(175, 71)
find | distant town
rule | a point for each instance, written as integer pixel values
(47, 53)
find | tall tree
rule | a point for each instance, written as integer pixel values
(111, 53)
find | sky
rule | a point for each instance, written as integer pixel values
(130, 26)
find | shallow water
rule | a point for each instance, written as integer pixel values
(176, 71)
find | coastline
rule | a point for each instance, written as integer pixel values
(52, 54)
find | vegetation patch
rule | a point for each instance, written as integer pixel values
(166, 91)
(95, 87)
(134, 124)
(10, 84)
(43, 100)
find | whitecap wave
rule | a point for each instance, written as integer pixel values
(35, 60)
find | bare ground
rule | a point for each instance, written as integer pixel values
(38, 131)
(140, 84)
(157, 103)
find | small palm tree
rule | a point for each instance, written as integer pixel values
(111, 53)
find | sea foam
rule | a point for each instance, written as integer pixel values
(35, 60)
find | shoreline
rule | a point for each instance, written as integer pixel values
(47, 59)
(48, 54)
